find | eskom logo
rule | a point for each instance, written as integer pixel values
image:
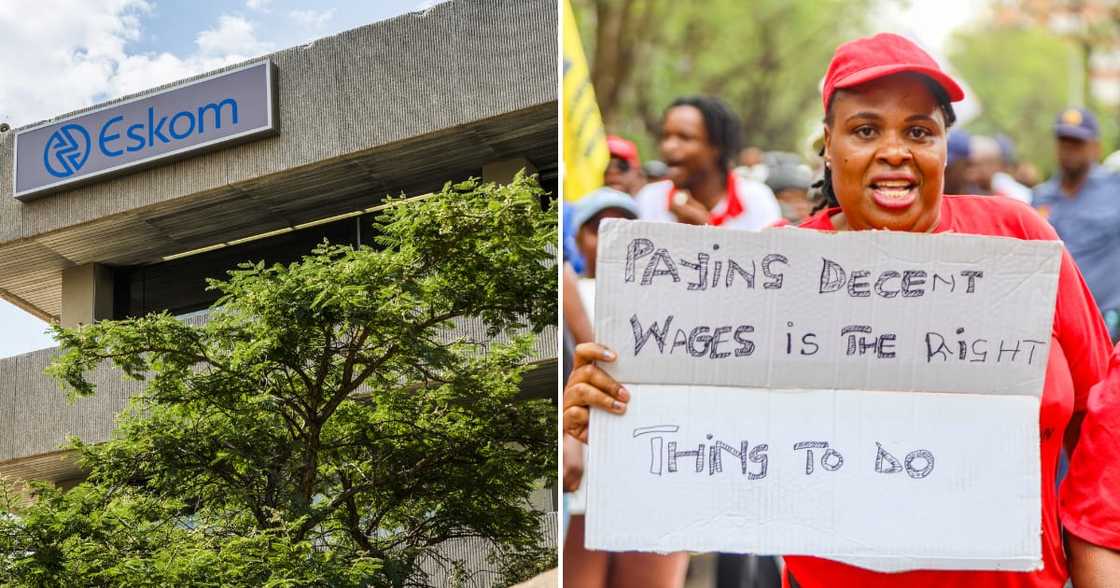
(66, 151)
(69, 147)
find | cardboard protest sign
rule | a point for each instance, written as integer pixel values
(870, 397)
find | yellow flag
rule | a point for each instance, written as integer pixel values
(585, 141)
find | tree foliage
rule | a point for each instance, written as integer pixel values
(764, 58)
(1021, 77)
(325, 427)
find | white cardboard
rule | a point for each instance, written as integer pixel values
(1012, 304)
(977, 507)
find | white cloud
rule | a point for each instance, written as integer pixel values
(312, 19)
(140, 72)
(56, 55)
(261, 5)
(233, 40)
(61, 55)
(233, 36)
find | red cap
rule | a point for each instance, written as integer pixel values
(623, 149)
(870, 58)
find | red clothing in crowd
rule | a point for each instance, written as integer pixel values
(1078, 358)
(1091, 492)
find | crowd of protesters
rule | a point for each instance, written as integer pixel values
(703, 175)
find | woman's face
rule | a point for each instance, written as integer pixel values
(886, 146)
(685, 146)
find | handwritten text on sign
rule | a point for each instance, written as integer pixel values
(662, 459)
(871, 397)
(803, 309)
(887, 480)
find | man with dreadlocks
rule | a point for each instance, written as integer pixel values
(700, 138)
(888, 107)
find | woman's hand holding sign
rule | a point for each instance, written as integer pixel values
(590, 386)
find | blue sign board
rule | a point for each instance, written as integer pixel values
(213, 112)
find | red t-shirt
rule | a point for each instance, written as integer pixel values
(1078, 358)
(1090, 494)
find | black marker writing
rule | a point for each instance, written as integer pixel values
(775, 281)
(668, 453)
(918, 463)
(655, 444)
(808, 344)
(831, 460)
(672, 458)
(981, 350)
(890, 283)
(712, 342)
(645, 263)
(641, 336)
(860, 342)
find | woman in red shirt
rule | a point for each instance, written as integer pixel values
(887, 112)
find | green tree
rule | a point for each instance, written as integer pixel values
(1021, 76)
(324, 427)
(764, 58)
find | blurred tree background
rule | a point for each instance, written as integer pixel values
(1026, 60)
(1020, 96)
(1023, 60)
(764, 58)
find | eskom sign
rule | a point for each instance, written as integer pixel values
(216, 111)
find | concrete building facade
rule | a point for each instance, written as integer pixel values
(466, 88)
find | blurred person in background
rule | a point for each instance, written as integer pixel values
(655, 170)
(958, 167)
(1082, 202)
(989, 165)
(582, 567)
(1026, 173)
(568, 239)
(1112, 162)
(1004, 181)
(699, 140)
(753, 164)
(790, 178)
(624, 172)
(591, 210)
(984, 157)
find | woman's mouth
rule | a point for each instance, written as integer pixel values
(894, 194)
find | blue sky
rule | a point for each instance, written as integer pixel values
(173, 26)
(60, 55)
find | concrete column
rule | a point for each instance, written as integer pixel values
(87, 294)
(503, 170)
